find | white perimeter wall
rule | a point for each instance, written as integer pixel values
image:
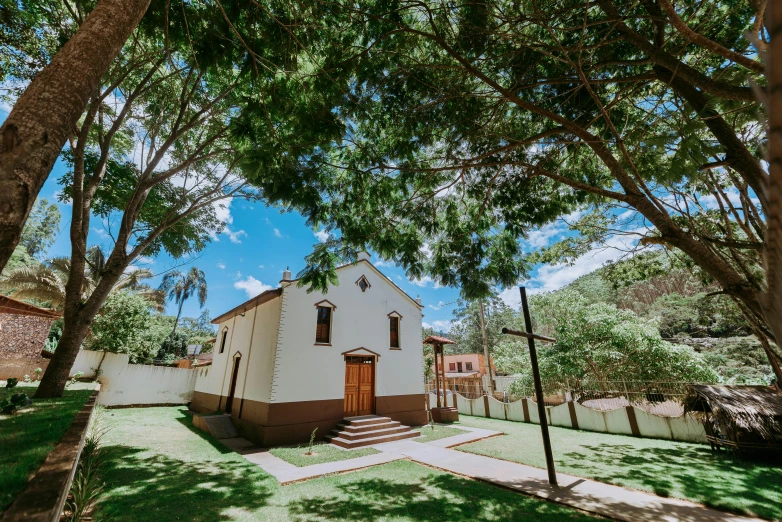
(124, 384)
(304, 371)
(683, 428)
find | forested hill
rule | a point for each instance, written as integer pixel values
(655, 285)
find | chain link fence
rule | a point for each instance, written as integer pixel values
(658, 397)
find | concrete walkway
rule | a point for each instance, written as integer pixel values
(287, 473)
(596, 497)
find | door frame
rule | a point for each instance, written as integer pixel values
(237, 359)
(374, 359)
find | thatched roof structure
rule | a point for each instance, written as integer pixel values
(753, 409)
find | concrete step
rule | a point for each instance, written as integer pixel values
(370, 434)
(345, 443)
(352, 428)
(366, 420)
(219, 426)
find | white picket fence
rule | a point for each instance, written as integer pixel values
(626, 420)
(124, 384)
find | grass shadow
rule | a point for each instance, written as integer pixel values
(438, 496)
(689, 471)
(142, 487)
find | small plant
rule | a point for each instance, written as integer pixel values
(11, 383)
(27, 378)
(76, 377)
(87, 484)
(10, 405)
(312, 442)
(38, 372)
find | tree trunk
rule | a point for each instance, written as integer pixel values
(772, 302)
(56, 375)
(486, 349)
(176, 323)
(47, 112)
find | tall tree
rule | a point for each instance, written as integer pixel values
(471, 124)
(49, 109)
(153, 155)
(180, 287)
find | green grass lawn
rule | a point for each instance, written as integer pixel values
(322, 452)
(160, 468)
(27, 437)
(667, 468)
(439, 432)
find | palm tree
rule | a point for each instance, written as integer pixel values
(180, 287)
(46, 282)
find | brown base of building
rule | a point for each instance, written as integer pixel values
(275, 424)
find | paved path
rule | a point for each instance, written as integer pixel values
(287, 473)
(596, 497)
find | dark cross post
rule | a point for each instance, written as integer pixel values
(533, 357)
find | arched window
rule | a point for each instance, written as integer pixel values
(222, 339)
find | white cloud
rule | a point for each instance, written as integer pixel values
(321, 234)
(260, 266)
(554, 277)
(221, 265)
(438, 306)
(251, 286)
(277, 232)
(439, 325)
(426, 282)
(423, 282)
(235, 237)
(511, 297)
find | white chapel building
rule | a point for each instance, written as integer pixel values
(288, 361)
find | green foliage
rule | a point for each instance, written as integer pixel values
(87, 484)
(125, 324)
(198, 330)
(738, 360)
(466, 330)
(599, 342)
(174, 345)
(41, 228)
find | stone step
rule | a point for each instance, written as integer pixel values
(345, 443)
(366, 420)
(352, 428)
(370, 434)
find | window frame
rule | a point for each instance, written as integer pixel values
(391, 320)
(318, 323)
(468, 366)
(452, 367)
(223, 339)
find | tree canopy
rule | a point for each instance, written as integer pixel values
(467, 125)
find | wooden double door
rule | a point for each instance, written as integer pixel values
(359, 385)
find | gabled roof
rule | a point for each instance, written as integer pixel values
(12, 306)
(388, 279)
(268, 295)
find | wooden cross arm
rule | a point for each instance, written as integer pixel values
(510, 331)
